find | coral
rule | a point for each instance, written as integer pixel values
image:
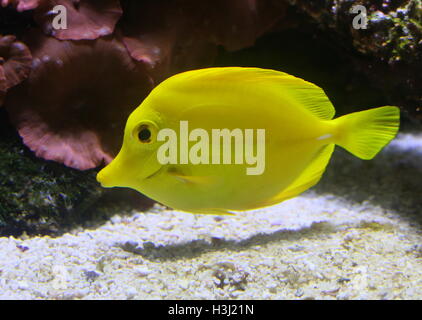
(87, 19)
(15, 63)
(75, 103)
(167, 45)
(188, 32)
(21, 5)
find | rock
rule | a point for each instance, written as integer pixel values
(143, 272)
(388, 51)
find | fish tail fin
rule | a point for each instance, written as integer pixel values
(365, 133)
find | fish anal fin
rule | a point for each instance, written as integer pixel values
(308, 178)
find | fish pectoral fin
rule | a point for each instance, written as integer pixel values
(202, 180)
(307, 179)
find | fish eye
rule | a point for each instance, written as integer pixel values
(145, 132)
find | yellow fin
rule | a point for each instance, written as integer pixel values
(309, 177)
(306, 94)
(365, 133)
(311, 97)
(191, 179)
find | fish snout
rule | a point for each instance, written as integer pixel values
(104, 177)
(116, 174)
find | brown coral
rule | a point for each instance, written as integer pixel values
(21, 5)
(187, 32)
(73, 107)
(87, 19)
(168, 44)
(15, 63)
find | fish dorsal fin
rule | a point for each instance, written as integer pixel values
(304, 93)
(308, 178)
(310, 96)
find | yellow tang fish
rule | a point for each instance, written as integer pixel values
(219, 140)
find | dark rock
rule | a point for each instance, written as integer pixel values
(388, 51)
